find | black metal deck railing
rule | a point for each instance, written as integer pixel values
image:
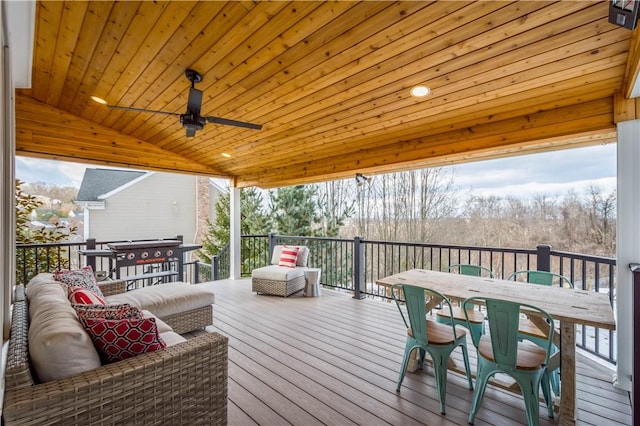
(355, 265)
(31, 259)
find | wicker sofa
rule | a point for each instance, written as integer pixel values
(182, 384)
(280, 280)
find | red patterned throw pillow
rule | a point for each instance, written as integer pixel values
(116, 340)
(109, 312)
(288, 256)
(79, 278)
(82, 296)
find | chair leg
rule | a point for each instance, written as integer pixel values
(467, 368)
(547, 393)
(422, 355)
(530, 392)
(554, 376)
(555, 382)
(482, 378)
(440, 361)
(405, 362)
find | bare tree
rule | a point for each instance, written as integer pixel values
(336, 202)
(405, 206)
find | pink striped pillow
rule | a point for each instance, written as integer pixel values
(82, 296)
(288, 256)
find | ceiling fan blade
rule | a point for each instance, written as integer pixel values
(226, 121)
(195, 101)
(191, 132)
(153, 111)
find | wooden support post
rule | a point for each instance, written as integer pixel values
(568, 392)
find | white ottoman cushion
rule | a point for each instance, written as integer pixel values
(277, 273)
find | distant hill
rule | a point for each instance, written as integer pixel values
(65, 194)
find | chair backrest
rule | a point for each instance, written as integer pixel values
(542, 278)
(473, 270)
(504, 319)
(415, 299)
(301, 260)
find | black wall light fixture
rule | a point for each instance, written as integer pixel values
(624, 13)
(362, 179)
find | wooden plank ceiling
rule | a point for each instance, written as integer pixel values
(329, 82)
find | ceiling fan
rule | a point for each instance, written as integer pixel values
(192, 120)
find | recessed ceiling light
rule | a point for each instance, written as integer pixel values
(225, 155)
(420, 91)
(99, 100)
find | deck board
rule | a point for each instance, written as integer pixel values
(335, 360)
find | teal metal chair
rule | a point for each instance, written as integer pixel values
(501, 351)
(541, 277)
(528, 330)
(476, 318)
(429, 336)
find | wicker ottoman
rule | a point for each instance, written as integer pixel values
(277, 280)
(280, 280)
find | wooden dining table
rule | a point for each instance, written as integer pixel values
(568, 306)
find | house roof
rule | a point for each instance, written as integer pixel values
(97, 182)
(328, 81)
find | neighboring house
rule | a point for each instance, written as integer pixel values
(121, 205)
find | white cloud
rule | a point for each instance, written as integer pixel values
(54, 172)
(557, 189)
(550, 173)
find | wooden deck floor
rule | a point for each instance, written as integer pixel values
(335, 360)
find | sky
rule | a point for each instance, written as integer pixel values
(523, 177)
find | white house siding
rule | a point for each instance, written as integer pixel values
(162, 205)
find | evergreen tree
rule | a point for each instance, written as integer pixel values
(217, 235)
(295, 211)
(253, 221)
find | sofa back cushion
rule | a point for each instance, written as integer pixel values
(58, 344)
(303, 255)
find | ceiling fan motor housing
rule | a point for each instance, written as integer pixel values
(192, 121)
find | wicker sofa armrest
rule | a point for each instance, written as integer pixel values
(184, 384)
(111, 287)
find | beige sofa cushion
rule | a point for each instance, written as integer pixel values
(166, 299)
(58, 345)
(172, 338)
(162, 326)
(277, 273)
